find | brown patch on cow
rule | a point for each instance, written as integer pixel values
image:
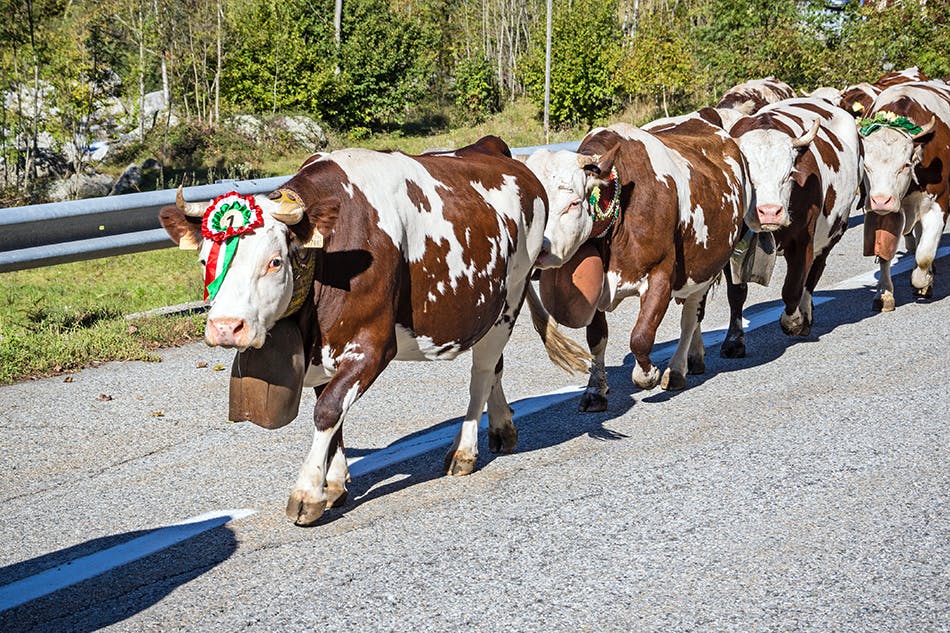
(828, 153)
(418, 198)
(818, 108)
(830, 198)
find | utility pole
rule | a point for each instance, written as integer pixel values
(547, 76)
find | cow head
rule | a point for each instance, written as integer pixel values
(890, 156)
(249, 248)
(772, 155)
(569, 179)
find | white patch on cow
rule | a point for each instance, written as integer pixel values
(698, 222)
(348, 188)
(412, 347)
(691, 287)
(617, 290)
(251, 290)
(327, 358)
(440, 288)
(351, 352)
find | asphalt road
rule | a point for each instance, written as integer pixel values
(804, 488)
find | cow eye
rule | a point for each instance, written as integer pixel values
(575, 203)
(275, 263)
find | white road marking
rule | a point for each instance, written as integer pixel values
(86, 567)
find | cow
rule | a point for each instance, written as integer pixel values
(906, 139)
(857, 99)
(806, 165)
(753, 95)
(370, 257)
(648, 213)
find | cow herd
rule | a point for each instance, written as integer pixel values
(365, 257)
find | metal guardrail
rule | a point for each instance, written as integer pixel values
(60, 232)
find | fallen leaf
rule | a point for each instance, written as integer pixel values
(104, 397)
(201, 364)
(218, 367)
(68, 379)
(133, 329)
(158, 414)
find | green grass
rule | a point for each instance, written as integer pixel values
(65, 317)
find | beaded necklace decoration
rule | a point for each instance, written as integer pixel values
(887, 119)
(227, 218)
(604, 210)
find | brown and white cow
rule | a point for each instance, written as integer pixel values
(677, 197)
(806, 165)
(857, 99)
(907, 159)
(416, 258)
(751, 96)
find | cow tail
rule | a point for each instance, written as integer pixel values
(563, 351)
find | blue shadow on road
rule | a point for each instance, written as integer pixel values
(106, 580)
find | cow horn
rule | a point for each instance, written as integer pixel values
(290, 208)
(192, 209)
(926, 128)
(807, 137)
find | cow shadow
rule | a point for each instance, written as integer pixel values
(115, 595)
(559, 421)
(768, 342)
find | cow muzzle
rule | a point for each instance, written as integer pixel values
(883, 204)
(771, 216)
(227, 332)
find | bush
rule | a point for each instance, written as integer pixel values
(476, 90)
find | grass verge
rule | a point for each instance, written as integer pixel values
(61, 318)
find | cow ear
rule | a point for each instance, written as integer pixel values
(598, 168)
(184, 230)
(321, 216)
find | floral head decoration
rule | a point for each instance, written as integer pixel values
(887, 119)
(226, 219)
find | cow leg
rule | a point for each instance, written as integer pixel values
(696, 360)
(502, 434)
(932, 222)
(309, 498)
(733, 346)
(805, 305)
(884, 301)
(486, 353)
(338, 472)
(798, 258)
(653, 307)
(674, 378)
(595, 396)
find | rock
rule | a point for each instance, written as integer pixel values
(247, 124)
(304, 130)
(79, 186)
(129, 182)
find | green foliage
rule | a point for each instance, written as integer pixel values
(660, 64)
(585, 55)
(476, 89)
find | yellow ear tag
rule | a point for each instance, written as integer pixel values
(316, 240)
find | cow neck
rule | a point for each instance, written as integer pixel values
(605, 205)
(303, 262)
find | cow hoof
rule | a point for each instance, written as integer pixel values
(695, 365)
(592, 402)
(794, 324)
(305, 508)
(459, 463)
(646, 380)
(503, 440)
(734, 348)
(673, 380)
(922, 280)
(924, 293)
(884, 302)
(336, 497)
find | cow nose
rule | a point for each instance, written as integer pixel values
(769, 214)
(882, 203)
(226, 332)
